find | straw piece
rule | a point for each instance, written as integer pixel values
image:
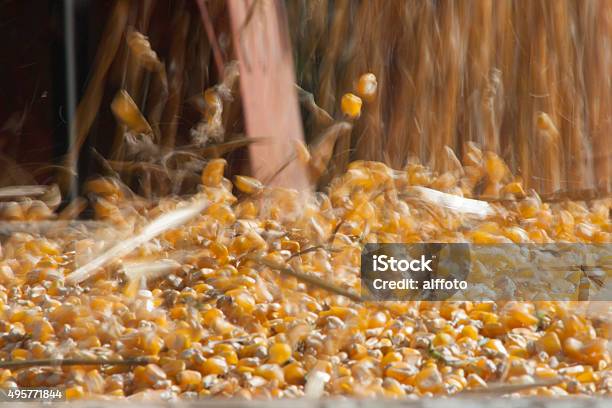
(158, 226)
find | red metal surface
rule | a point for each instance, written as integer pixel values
(261, 43)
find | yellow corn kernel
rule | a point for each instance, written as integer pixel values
(75, 392)
(393, 388)
(594, 351)
(469, 331)
(172, 367)
(442, 339)
(42, 331)
(178, 313)
(19, 354)
(231, 358)
(189, 380)
(279, 353)
(367, 86)
(588, 376)
(572, 347)
(178, 341)
(212, 175)
(270, 372)
(242, 299)
(515, 188)
(519, 315)
(390, 357)
(545, 373)
(495, 167)
(152, 344)
(549, 343)
(429, 380)
(474, 381)
(517, 351)
(221, 212)
(351, 105)
(125, 109)
(516, 234)
(148, 375)
(214, 365)
(496, 345)
(357, 351)
(248, 185)
(402, 372)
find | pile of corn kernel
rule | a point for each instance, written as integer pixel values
(219, 323)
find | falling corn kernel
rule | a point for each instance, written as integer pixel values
(141, 47)
(351, 105)
(125, 109)
(367, 86)
(248, 185)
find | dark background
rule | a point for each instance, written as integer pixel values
(33, 126)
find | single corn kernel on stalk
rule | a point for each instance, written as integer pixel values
(351, 105)
(212, 175)
(248, 185)
(367, 86)
(125, 110)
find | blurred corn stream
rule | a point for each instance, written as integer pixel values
(529, 80)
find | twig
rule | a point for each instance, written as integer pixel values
(16, 364)
(314, 280)
(312, 249)
(307, 250)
